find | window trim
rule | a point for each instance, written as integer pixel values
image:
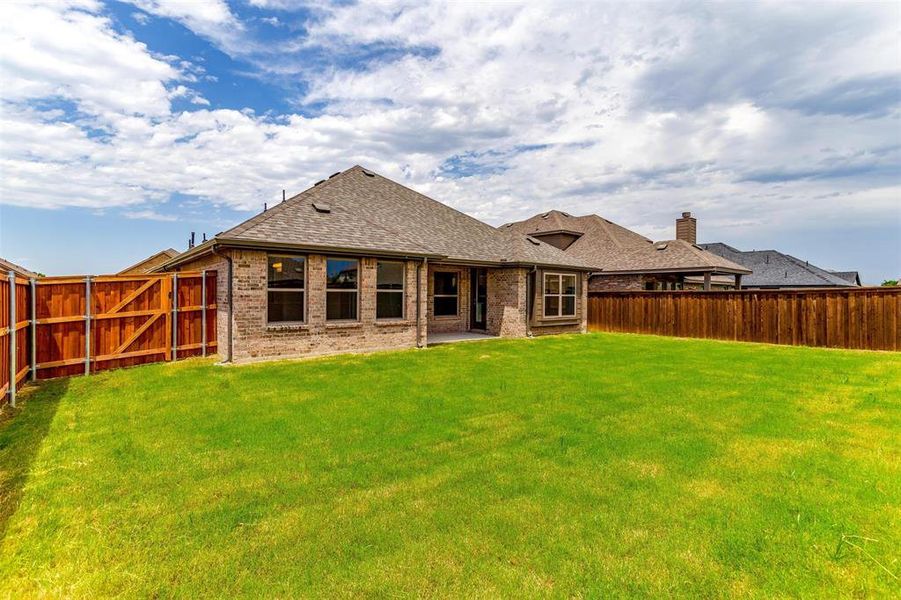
(306, 314)
(344, 290)
(402, 291)
(545, 295)
(456, 314)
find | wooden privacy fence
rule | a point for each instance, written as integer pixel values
(80, 325)
(863, 318)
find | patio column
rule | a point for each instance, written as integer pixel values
(738, 282)
(707, 281)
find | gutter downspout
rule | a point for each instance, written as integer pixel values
(530, 299)
(419, 268)
(228, 259)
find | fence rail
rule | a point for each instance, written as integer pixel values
(861, 318)
(81, 325)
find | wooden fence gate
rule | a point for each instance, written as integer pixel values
(81, 325)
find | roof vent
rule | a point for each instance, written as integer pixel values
(368, 173)
(533, 240)
(545, 215)
(661, 246)
(322, 207)
(334, 174)
(318, 182)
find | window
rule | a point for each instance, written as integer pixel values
(285, 288)
(389, 290)
(341, 289)
(559, 295)
(445, 301)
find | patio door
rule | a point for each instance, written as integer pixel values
(478, 314)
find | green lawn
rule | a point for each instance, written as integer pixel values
(596, 465)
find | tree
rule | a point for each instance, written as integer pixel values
(890, 283)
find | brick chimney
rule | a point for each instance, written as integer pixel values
(687, 228)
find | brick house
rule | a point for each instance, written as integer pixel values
(625, 260)
(360, 263)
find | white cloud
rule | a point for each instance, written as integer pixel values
(549, 104)
(52, 51)
(192, 96)
(148, 215)
(211, 19)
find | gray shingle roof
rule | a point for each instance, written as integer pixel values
(368, 212)
(168, 253)
(612, 248)
(771, 268)
(849, 276)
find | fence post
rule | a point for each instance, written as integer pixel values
(87, 325)
(12, 339)
(203, 312)
(34, 330)
(174, 316)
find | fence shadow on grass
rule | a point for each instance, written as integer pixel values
(22, 432)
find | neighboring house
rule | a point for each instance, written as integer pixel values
(772, 269)
(7, 266)
(625, 260)
(852, 277)
(359, 262)
(149, 264)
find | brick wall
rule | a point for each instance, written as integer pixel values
(606, 283)
(507, 302)
(255, 338)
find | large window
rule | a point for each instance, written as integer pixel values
(559, 295)
(446, 294)
(389, 290)
(285, 288)
(341, 289)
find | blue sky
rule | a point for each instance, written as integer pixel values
(126, 125)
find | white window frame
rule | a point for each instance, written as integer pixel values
(402, 291)
(457, 295)
(303, 290)
(343, 290)
(560, 296)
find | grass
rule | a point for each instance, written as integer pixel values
(597, 465)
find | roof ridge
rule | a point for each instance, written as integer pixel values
(604, 225)
(810, 268)
(267, 214)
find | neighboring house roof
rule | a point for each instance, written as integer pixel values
(148, 264)
(852, 277)
(612, 248)
(7, 266)
(771, 268)
(359, 211)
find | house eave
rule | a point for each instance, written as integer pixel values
(225, 243)
(687, 271)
